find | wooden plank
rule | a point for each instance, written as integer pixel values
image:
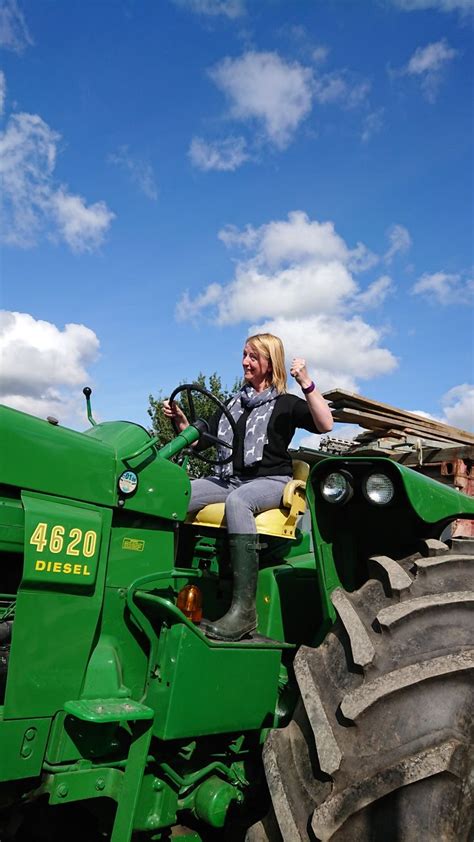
(373, 421)
(345, 401)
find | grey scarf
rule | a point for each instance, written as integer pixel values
(261, 405)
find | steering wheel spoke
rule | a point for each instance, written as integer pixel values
(216, 441)
(192, 409)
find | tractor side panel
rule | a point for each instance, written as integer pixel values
(197, 689)
(58, 604)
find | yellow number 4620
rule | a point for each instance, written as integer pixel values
(77, 542)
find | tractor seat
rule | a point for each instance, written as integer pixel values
(279, 522)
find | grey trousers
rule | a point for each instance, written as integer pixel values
(244, 498)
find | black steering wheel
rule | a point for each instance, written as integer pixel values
(189, 388)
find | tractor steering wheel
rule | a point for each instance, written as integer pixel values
(188, 388)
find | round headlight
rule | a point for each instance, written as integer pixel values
(379, 489)
(335, 488)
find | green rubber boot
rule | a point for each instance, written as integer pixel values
(241, 617)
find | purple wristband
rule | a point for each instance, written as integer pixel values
(309, 388)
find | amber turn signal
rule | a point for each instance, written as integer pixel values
(190, 603)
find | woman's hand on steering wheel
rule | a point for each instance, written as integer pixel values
(176, 415)
(180, 421)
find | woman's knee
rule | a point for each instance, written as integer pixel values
(204, 491)
(236, 503)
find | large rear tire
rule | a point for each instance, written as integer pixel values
(380, 745)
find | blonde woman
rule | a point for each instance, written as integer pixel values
(266, 418)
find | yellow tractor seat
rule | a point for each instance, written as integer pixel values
(279, 522)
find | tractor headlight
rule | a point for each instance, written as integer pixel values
(379, 489)
(336, 488)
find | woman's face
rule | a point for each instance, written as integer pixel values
(257, 368)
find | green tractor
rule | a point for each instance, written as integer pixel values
(346, 716)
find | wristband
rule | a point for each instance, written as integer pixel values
(309, 388)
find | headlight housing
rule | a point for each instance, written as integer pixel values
(379, 489)
(336, 488)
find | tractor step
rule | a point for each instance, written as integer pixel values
(108, 710)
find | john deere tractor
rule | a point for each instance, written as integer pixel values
(345, 716)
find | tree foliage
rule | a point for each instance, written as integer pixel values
(163, 429)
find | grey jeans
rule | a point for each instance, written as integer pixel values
(244, 498)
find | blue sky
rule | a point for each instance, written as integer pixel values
(178, 173)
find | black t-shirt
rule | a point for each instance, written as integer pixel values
(289, 414)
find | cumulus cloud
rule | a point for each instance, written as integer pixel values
(223, 155)
(43, 368)
(140, 172)
(458, 406)
(33, 203)
(463, 6)
(213, 8)
(14, 34)
(294, 266)
(295, 278)
(339, 351)
(273, 96)
(265, 88)
(428, 64)
(444, 288)
(400, 242)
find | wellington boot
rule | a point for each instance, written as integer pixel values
(241, 617)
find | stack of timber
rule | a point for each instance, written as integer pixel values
(389, 426)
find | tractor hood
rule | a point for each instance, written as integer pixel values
(39, 456)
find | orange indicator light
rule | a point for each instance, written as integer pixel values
(190, 603)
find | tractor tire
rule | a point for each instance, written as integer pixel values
(380, 745)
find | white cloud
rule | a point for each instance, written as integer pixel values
(212, 8)
(458, 406)
(444, 288)
(375, 294)
(295, 266)
(430, 59)
(373, 124)
(3, 91)
(82, 227)
(188, 309)
(339, 88)
(295, 280)
(296, 239)
(140, 172)
(400, 242)
(265, 88)
(320, 54)
(223, 155)
(33, 203)
(338, 351)
(43, 368)
(428, 64)
(462, 6)
(274, 96)
(14, 34)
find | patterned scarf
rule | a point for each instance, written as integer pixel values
(261, 405)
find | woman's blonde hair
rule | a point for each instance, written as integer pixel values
(271, 347)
